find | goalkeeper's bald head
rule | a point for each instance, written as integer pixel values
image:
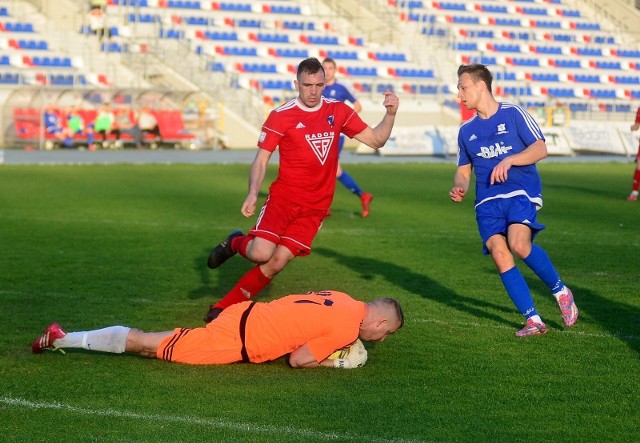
(391, 309)
(384, 317)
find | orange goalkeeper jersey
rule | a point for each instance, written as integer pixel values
(325, 321)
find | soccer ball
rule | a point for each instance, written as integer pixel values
(340, 353)
(354, 356)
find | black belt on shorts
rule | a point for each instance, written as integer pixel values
(243, 330)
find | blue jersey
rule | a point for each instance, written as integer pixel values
(338, 92)
(483, 143)
(52, 123)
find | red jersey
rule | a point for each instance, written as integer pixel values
(308, 140)
(638, 115)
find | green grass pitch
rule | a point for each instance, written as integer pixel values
(92, 246)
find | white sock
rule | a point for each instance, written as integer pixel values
(536, 318)
(112, 339)
(562, 291)
(634, 193)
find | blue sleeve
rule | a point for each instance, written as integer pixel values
(463, 155)
(528, 128)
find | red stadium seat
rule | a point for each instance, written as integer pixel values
(171, 125)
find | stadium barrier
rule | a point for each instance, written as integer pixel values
(601, 138)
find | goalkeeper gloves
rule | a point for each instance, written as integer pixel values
(356, 357)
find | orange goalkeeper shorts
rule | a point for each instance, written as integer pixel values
(217, 343)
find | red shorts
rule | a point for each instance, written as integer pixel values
(288, 224)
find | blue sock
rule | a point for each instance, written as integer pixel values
(350, 183)
(540, 263)
(90, 138)
(67, 142)
(518, 291)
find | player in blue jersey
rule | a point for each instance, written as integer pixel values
(54, 127)
(502, 143)
(338, 91)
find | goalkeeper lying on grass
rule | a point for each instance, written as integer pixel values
(316, 329)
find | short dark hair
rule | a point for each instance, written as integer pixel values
(392, 306)
(310, 65)
(329, 60)
(478, 72)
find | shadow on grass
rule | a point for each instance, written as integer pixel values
(418, 284)
(621, 320)
(228, 275)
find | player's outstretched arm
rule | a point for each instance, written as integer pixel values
(378, 136)
(302, 358)
(355, 356)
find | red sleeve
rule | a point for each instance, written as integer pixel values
(271, 133)
(354, 124)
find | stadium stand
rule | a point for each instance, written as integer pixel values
(540, 49)
(543, 52)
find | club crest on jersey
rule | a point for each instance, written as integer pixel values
(330, 120)
(502, 129)
(494, 150)
(321, 144)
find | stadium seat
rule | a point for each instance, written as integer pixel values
(171, 125)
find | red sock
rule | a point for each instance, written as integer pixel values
(239, 244)
(249, 285)
(636, 180)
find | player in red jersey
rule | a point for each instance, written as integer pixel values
(307, 130)
(636, 175)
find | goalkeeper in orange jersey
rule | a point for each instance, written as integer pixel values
(309, 327)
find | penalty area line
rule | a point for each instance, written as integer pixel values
(212, 423)
(573, 331)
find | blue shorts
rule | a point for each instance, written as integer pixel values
(495, 216)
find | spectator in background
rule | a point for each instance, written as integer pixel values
(76, 125)
(124, 124)
(636, 175)
(148, 124)
(98, 22)
(338, 91)
(54, 127)
(104, 123)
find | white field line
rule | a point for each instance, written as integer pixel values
(211, 423)
(617, 335)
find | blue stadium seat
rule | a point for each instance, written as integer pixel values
(561, 92)
(382, 87)
(342, 55)
(533, 11)
(586, 78)
(249, 23)
(9, 78)
(282, 9)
